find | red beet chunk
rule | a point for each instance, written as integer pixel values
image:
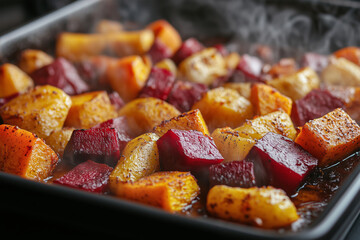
(61, 74)
(187, 48)
(248, 69)
(159, 84)
(234, 174)
(280, 162)
(315, 104)
(221, 49)
(116, 100)
(159, 51)
(121, 126)
(88, 176)
(187, 151)
(184, 94)
(101, 145)
(315, 61)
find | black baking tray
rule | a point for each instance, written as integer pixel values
(289, 27)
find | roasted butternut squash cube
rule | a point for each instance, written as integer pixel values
(25, 154)
(276, 122)
(77, 47)
(266, 99)
(139, 159)
(89, 109)
(265, 207)
(341, 71)
(298, 84)
(171, 191)
(222, 107)
(203, 67)
(13, 80)
(58, 139)
(243, 88)
(331, 137)
(126, 43)
(166, 34)
(143, 114)
(33, 59)
(231, 145)
(41, 110)
(191, 120)
(127, 76)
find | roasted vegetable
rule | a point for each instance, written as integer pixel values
(143, 114)
(171, 191)
(24, 154)
(89, 109)
(33, 59)
(223, 107)
(341, 71)
(13, 80)
(58, 139)
(41, 110)
(264, 207)
(331, 137)
(350, 53)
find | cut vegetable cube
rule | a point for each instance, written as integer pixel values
(315, 61)
(24, 154)
(280, 162)
(266, 99)
(315, 104)
(89, 109)
(250, 68)
(32, 59)
(58, 139)
(341, 71)
(143, 114)
(224, 107)
(121, 126)
(263, 207)
(88, 176)
(159, 84)
(171, 191)
(234, 174)
(159, 51)
(41, 110)
(350, 53)
(182, 150)
(331, 137)
(13, 80)
(61, 74)
(191, 120)
(98, 144)
(187, 48)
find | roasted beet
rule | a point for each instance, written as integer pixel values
(61, 74)
(98, 144)
(121, 126)
(234, 174)
(314, 105)
(280, 162)
(184, 94)
(159, 51)
(187, 48)
(248, 69)
(159, 84)
(89, 176)
(187, 151)
(315, 61)
(116, 100)
(221, 49)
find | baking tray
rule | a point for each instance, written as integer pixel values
(290, 27)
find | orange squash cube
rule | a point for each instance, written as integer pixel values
(350, 53)
(32, 59)
(13, 80)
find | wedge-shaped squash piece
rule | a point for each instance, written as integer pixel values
(203, 67)
(265, 99)
(58, 139)
(341, 72)
(276, 122)
(41, 110)
(298, 84)
(331, 137)
(191, 120)
(24, 154)
(89, 109)
(139, 159)
(143, 114)
(171, 191)
(222, 107)
(263, 207)
(128, 76)
(33, 59)
(166, 34)
(231, 145)
(13, 80)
